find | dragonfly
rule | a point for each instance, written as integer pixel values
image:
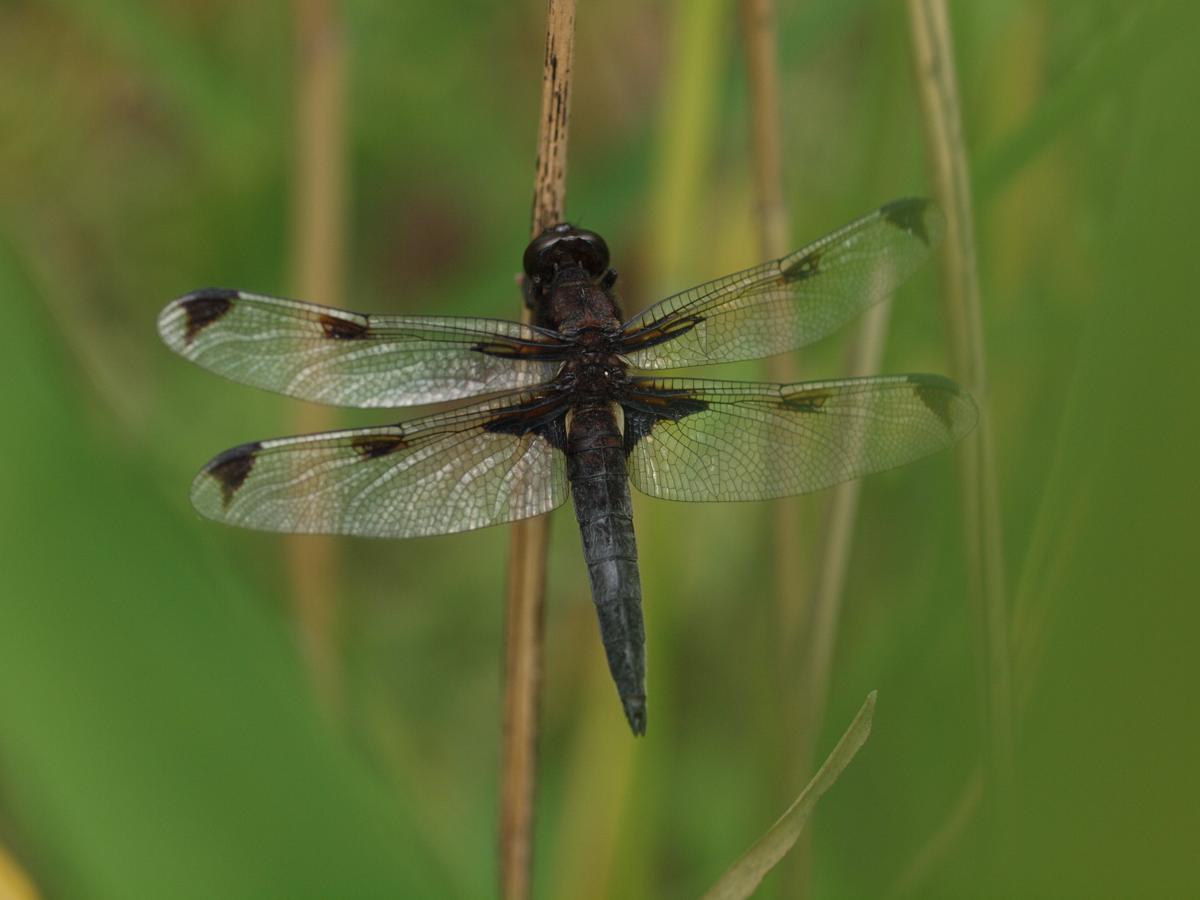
(573, 404)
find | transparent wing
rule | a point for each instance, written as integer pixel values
(723, 440)
(490, 463)
(348, 359)
(789, 302)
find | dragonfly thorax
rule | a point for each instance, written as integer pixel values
(594, 376)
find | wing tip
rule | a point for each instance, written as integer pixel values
(918, 216)
(227, 472)
(946, 399)
(185, 317)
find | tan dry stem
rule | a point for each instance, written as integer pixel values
(759, 31)
(528, 539)
(758, 27)
(933, 55)
(865, 357)
(318, 271)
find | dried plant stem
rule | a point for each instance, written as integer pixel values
(528, 541)
(550, 180)
(866, 354)
(522, 684)
(318, 210)
(936, 84)
(758, 27)
(822, 610)
(759, 33)
(837, 530)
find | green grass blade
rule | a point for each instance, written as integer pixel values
(744, 876)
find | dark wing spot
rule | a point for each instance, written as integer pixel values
(545, 417)
(372, 446)
(203, 308)
(909, 215)
(339, 329)
(514, 349)
(508, 423)
(806, 401)
(554, 431)
(658, 333)
(805, 267)
(494, 348)
(232, 467)
(938, 395)
(649, 406)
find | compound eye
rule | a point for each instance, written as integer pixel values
(592, 252)
(538, 254)
(563, 246)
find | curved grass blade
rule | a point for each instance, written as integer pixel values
(744, 876)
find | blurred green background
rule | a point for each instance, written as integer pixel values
(159, 732)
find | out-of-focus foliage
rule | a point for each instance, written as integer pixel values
(157, 735)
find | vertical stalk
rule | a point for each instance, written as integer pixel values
(935, 76)
(758, 28)
(528, 541)
(837, 528)
(318, 266)
(759, 33)
(821, 612)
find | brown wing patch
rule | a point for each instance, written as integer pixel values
(908, 215)
(938, 395)
(232, 467)
(203, 308)
(339, 329)
(514, 349)
(373, 446)
(544, 416)
(649, 405)
(658, 333)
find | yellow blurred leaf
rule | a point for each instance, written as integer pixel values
(14, 883)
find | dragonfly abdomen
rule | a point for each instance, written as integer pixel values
(600, 486)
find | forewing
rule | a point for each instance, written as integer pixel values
(723, 440)
(490, 463)
(789, 302)
(343, 358)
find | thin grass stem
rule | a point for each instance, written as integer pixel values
(774, 229)
(864, 358)
(760, 37)
(528, 539)
(318, 273)
(820, 608)
(933, 55)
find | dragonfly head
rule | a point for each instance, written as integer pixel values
(564, 246)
